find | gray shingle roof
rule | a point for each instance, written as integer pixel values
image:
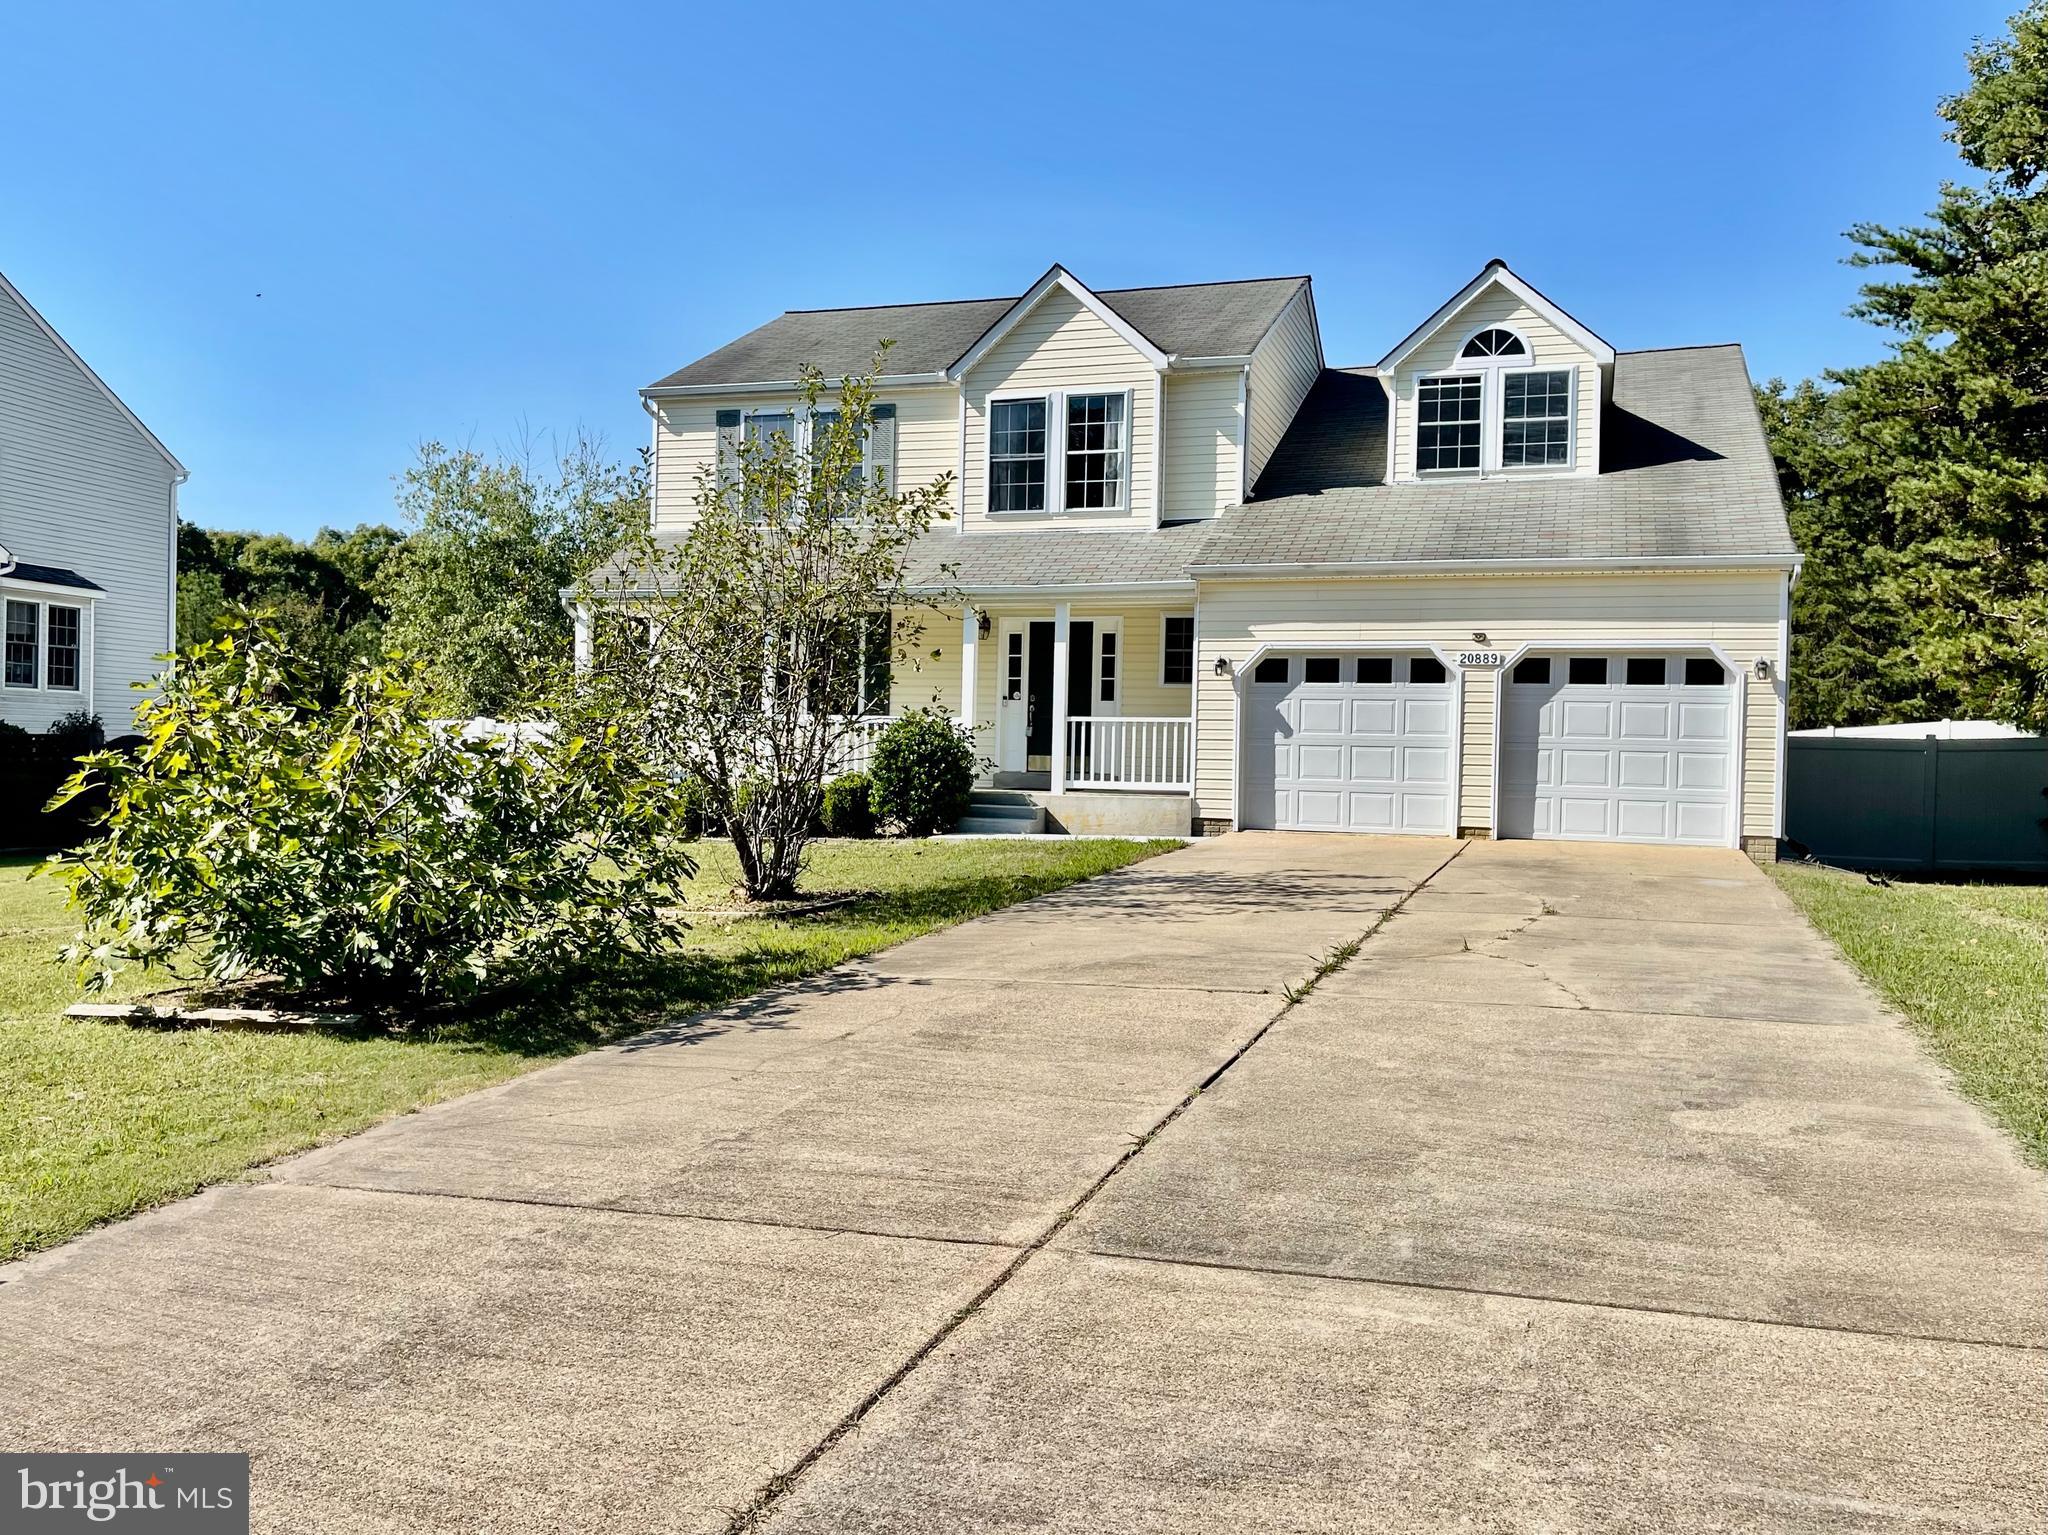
(1218, 319)
(1686, 474)
(980, 561)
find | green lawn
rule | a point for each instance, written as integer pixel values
(1968, 964)
(98, 1120)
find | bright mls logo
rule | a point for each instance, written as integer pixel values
(163, 1494)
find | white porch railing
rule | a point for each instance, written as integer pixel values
(1126, 752)
(857, 746)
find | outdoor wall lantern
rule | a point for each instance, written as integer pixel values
(1223, 666)
(1763, 668)
(981, 624)
(1478, 637)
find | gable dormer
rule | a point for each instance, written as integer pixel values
(1499, 383)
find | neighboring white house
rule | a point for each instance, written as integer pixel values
(1505, 582)
(88, 534)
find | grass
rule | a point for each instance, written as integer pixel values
(98, 1120)
(1966, 964)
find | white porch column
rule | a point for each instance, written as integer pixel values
(583, 618)
(1060, 626)
(970, 664)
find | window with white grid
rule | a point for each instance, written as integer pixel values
(1016, 456)
(24, 645)
(1447, 421)
(1095, 451)
(65, 627)
(1536, 418)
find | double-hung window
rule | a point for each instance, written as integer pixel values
(63, 628)
(1095, 451)
(1494, 412)
(1059, 452)
(24, 644)
(44, 645)
(1536, 418)
(1447, 422)
(1016, 456)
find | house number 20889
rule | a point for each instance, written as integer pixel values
(1482, 658)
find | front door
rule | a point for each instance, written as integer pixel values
(1025, 737)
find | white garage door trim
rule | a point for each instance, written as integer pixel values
(1241, 680)
(1664, 647)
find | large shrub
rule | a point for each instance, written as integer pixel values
(923, 771)
(360, 847)
(849, 809)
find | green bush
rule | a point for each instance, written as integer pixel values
(361, 847)
(923, 771)
(849, 806)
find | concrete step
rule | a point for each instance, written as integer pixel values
(982, 826)
(993, 812)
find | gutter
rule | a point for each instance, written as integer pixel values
(1790, 562)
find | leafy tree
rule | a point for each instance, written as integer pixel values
(1919, 484)
(477, 589)
(755, 630)
(359, 846)
(322, 595)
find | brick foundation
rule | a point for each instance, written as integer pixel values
(1477, 833)
(1209, 826)
(1762, 849)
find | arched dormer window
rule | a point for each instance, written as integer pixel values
(1493, 342)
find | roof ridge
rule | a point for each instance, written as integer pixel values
(1220, 282)
(928, 303)
(1696, 346)
(1011, 298)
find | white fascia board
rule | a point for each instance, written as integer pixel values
(101, 384)
(784, 385)
(1193, 364)
(1496, 566)
(1056, 276)
(1498, 272)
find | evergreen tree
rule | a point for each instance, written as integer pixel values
(1918, 485)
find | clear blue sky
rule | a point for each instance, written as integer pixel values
(468, 222)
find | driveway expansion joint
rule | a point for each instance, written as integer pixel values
(749, 1516)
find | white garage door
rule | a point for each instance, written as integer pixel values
(1619, 748)
(1349, 743)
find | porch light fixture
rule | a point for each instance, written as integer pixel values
(1223, 666)
(1763, 668)
(981, 624)
(1478, 637)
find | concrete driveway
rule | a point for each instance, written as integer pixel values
(1592, 1191)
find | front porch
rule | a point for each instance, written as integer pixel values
(1086, 707)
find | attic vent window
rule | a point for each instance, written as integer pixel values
(1495, 343)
